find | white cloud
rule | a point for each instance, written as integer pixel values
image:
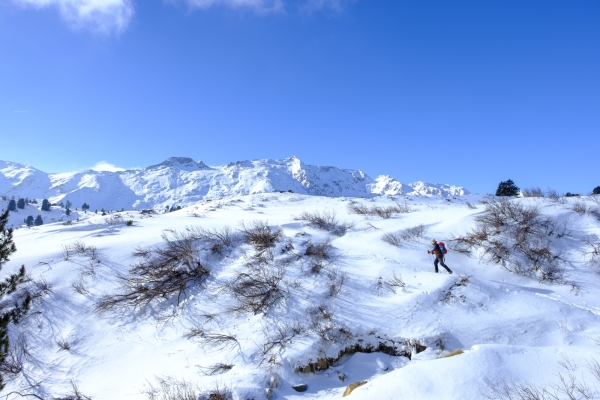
(256, 5)
(106, 166)
(114, 16)
(101, 16)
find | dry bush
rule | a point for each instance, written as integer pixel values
(257, 290)
(171, 389)
(79, 248)
(568, 387)
(532, 192)
(392, 283)
(318, 249)
(77, 394)
(392, 238)
(114, 219)
(216, 369)
(516, 236)
(162, 273)
(280, 335)
(579, 208)
(359, 209)
(592, 250)
(325, 220)
(595, 212)
(471, 206)
(321, 323)
(595, 198)
(211, 340)
(412, 234)
(218, 393)
(319, 254)
(260, 235)
(337, 280)
(63, 344)
(79, 287)
(382, 212)
(553, 194)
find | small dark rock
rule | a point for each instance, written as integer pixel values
(300, 388)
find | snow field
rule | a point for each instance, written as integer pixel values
(511, 327)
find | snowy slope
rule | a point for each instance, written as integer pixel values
(511, 328)
(183, 181)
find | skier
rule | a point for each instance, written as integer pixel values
(439, 256)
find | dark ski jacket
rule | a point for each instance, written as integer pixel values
(437, 251)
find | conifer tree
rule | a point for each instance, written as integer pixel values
(596, 190)
(45, 205)
(85, 207)
(20, 304)
(12, 206)
(38, 221)
(507, 188)
(21, 204)
(68, 211)
(29, 220)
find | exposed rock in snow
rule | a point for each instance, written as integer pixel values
(183, 181)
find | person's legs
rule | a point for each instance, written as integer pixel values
(443, 265)
(435, 264)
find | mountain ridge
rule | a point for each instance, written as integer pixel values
(183, 181)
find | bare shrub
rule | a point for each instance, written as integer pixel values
(392, 238)
(79, 287)
(553, 194)
(515, 236)
(162, 273)
(321, 323)
(80, 248)
(280, 335)
(260, 235)
(171, 389)
(568, 387)
(471, 206)
(382, 212)
(592, 250)
(114, 219)
(413, 233)
(595, 198)
(359, 209)
(392, 283)
(325, 220)
(337, 279)
(318, 249)
(211, 340)
(63, 344)
(579, 208)
(532, 192)
(216, 369)
(218, 393)
(595, 212)
(77, 394)
(257, 290)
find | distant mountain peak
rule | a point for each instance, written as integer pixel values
(179, 162)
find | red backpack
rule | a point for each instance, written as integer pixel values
(443, 247)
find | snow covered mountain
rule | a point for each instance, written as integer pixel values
(183, 181)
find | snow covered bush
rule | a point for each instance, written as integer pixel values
(532, 192)
(260, 235)
(382, 212)
(257, 290)
(516, 236)
(325, 220)
(163, 273)
(412, 234)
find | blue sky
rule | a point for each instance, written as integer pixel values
(461, 92)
